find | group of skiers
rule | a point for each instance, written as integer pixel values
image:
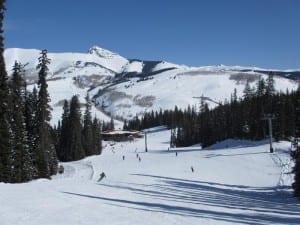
(102, 175)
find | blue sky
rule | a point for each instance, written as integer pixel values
(264, 33)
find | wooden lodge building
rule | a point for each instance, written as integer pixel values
(121, 135)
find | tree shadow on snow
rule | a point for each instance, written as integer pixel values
(234, 144)
(213, 155)
(174, 150)
(207, 200)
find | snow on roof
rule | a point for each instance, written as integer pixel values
(114, 132)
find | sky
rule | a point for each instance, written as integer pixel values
(262, 33)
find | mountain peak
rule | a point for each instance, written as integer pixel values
(101, 52)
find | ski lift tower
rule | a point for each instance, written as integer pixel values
(269, 118)
(146, 147)
(207, 99)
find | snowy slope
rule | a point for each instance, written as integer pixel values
(97, 60)
(65, 89)
(125, 88)
(177, 87)
(95, 67)
(234, 182)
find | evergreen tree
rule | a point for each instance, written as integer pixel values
(111, 124)
(289, 117)
(269, 92)
(173, 138)
(280, 125)
(46, 156)
(5, 148)
(296, 184)
(87, 132)
(296, 169)
(22, 165)
(64, 140)
(125, 126)
(297, 112)
(261, 87)
(97, 145)
(31, 127)
(270, 85)
(75, 149)
(248, 91)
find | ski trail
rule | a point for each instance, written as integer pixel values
(284, 165)
(90, 166)
(77, 170)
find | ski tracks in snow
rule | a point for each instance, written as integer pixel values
(78, 170)
(285, 166)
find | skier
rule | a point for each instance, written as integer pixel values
(176, 153)
(102, 175)
(192, 169)
(123, 157)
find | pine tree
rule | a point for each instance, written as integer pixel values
(64, 140)
(270, 85)
(46, 158)
(97, 145)
(280, 125)
(56, 136)
(111, 124)
(87, 132)
(297, 112)
(296, 184)
(125, 126)
(31, 127)
(261, 87)
(173, 137)
(5, 148)
(22, 166)
(296, 169)
(269, 92)
(289, 117)
(75, 149)
(248, 91)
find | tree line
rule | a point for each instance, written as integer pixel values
(29, 147)
(238, 118)
(77, 138)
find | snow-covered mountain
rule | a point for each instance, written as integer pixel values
(127, 87)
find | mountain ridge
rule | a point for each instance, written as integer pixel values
(125, 87)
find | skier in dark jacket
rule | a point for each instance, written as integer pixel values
(102, 175)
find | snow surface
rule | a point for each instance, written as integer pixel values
(234, 182)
